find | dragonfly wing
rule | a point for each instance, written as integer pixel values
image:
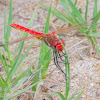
(16, 41)
(69, 28)
(23, 39)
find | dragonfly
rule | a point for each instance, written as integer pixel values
(50, 39)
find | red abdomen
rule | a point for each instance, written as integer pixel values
(19, 27)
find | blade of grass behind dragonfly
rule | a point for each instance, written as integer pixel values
(43, 53)
(23, 74)
(96, 16)
(64, 18)
(5, 64)
(76, 2)
(3, 83)
(20, 80)
(79, 95)
(6, 39)
(58, 93)
(95, 20)
(73, 95)
(92, 39)
(20, 47)
(94, 34)
(2, 86)
(61, 16)
(5, 47)
(16, 62)
(78, 16)
(47, 54)
(95, 12)
(86, 10)
(70, 15)
(76, 20)
(96, 46)
(14, 68)
(8, 31)
(23, 77)
(18, 84)
(19, 92)
(57, 13)
(2, 61)
(76, 11)
(46, 62)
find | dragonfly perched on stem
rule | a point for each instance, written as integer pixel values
(50, 40)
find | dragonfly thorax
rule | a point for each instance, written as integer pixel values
(53, 42)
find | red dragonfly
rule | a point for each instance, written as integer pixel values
(49, 39)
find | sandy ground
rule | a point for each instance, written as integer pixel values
(84, 69)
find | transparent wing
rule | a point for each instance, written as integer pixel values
(23, 39)
(71, 28)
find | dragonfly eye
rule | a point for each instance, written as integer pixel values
(59, 47)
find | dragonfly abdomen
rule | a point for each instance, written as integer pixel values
(19, 27)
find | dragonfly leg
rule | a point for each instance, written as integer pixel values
(63, 61)
(64, 54)
(56, 62)
(60, 56)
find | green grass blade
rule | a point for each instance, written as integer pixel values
(21, 81)
(20, 91)
(14, 68)
(79, 96)
(47, 54)
(73, 95)
(70, 15)
(95, 34)
(1, 83)
(94, 15)
(24, 35)
(46, 29)
(2, 88)
(76, 2)
(67, 71)
(76, 11)
(86, 10)
(94, 21)
(95, 10)
(33, 17)
(20, 76)
(8, 31)
(57, 13)
(58, 93)
(6, 36)
(43, 51)
(47, 59)
(96, 46)
(4, 62)
(6, 65)
(65, 6)
(4, 24)
(31, 57)
(61, 95)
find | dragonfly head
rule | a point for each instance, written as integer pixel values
(59, 45)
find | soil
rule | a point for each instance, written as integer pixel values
(84, 67)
